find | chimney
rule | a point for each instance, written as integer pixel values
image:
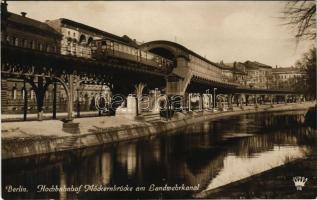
(23, 14)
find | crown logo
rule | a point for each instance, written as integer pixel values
(299, 182)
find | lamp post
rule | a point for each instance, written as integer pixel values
(78, 104)
(25, 106)
(214, 101)
(155, 98)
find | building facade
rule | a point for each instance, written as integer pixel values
(77, 38)
(23, 32)
(234, 72)
(286, 77)
(258, 75)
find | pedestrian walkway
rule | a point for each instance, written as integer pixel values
(54, 128)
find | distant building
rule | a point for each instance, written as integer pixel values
(227, 71)
(286, 77)
(259, 75)
(235, 72)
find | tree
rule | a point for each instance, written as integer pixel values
(301, 16)
(307, 84)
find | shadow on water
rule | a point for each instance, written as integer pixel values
(209, 154)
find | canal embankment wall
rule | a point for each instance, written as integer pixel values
(98, 136)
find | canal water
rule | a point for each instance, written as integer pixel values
(194, 159)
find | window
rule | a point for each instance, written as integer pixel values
(68, 42)
(48, 48)
(23, 93)
(74, 34)
(89, 41)
(32, 94)
(82, 39)
(14, 93)
(68, 33)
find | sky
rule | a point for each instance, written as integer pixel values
(225, 31)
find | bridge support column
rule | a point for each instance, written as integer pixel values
(210, 102)
(240, 100)
(70, 97)
(256, 101)
(68, 125)
(285, 99)
(300, 98)
(206, 101)
(54, 100)
(271, 99)
(246, 100)
(230, 102)
(236, 99)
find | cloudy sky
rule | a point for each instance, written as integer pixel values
(219, 30)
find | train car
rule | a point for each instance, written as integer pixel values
(104, 48)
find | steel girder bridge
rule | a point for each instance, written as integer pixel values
(41, 69)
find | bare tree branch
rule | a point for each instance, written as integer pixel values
(301, 16)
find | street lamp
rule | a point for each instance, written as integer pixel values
(214, 98)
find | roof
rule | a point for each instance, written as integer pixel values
(179, 46)
(255, 64)
(124, 38)
(232, 67)
(32, 24)
(126, 41)
(226, 66)
(287, 70)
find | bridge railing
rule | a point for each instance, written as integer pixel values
(79, 52)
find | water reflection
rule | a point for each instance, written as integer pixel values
(210, 154)
(236, 168)
(106, 168)
(62, 183)
(126, 156)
